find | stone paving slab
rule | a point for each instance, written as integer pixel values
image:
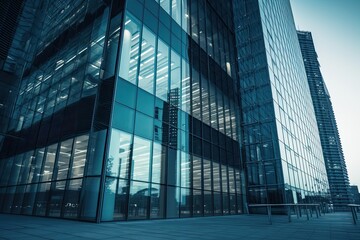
(334, 226)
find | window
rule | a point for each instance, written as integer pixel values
(162, 70)
(158, 163)
(119, 154)
(130, 49)
(49, 163)
(141, 159)
(80, 150)
(64, 159)
(147, 61)
(186, 87)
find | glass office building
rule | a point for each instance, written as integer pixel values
(126, 110)
(12, 24)
(281, 144)
(329, 134)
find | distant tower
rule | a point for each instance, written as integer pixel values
(281, 143)
(329, 134)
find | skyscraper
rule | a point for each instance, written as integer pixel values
(127, 110)
(16, 19)
(281, 144)
(9, 18)
(329, 134)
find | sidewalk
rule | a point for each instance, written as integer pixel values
(330, 226)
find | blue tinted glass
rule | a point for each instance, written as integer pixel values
(126, 93)
(123, 118)
(144, 126)
(135, 8)
(145, 103)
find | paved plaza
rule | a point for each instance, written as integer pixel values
(330, 226)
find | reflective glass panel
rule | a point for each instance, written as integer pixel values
(79, 159)
(139, 199)
(47, 171)
(162, 70)
(147, 61)
(130, 49)
(64, 159)
(141, 159)
(119, 154)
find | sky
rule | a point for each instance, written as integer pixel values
(335, 27)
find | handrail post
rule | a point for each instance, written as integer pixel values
(316, 210)
(353, 208)
(353, 214)
(269, 213)
(307, 213)
(289, 213)
(297, 211)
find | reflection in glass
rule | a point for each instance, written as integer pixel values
(36, 164)
(130, 49)
(186, 87)
(120, 208)
(15, 170)
(208, 203)
(198, 205)
(172, 202)
(56, 199)
(165, 4)
(162, 70)
(157, 201)
(6, 171)
(196, 95)
(42, 197)
(29, 199)
(185, 170)
(213, 106)
(64, 159)
(141, 159)
(49, 163)
(175, 71)
(185, 15)
(176, 11)
(147, 61)
(119, 154)
(158, 163)
(139, 198)
(109, 199)
(216, 176)
(185, 202)
(18, 198)
(72, 198)
(207, 174)
(205, 100)
(80, 150)
(197, 176)
(217, 203)
(24, 172)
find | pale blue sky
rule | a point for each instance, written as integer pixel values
(335, 26)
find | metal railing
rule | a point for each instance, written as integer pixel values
(297, 207)
(354, 208)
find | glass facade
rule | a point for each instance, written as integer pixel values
(281, 144)
(128, 110)
(329, 134)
